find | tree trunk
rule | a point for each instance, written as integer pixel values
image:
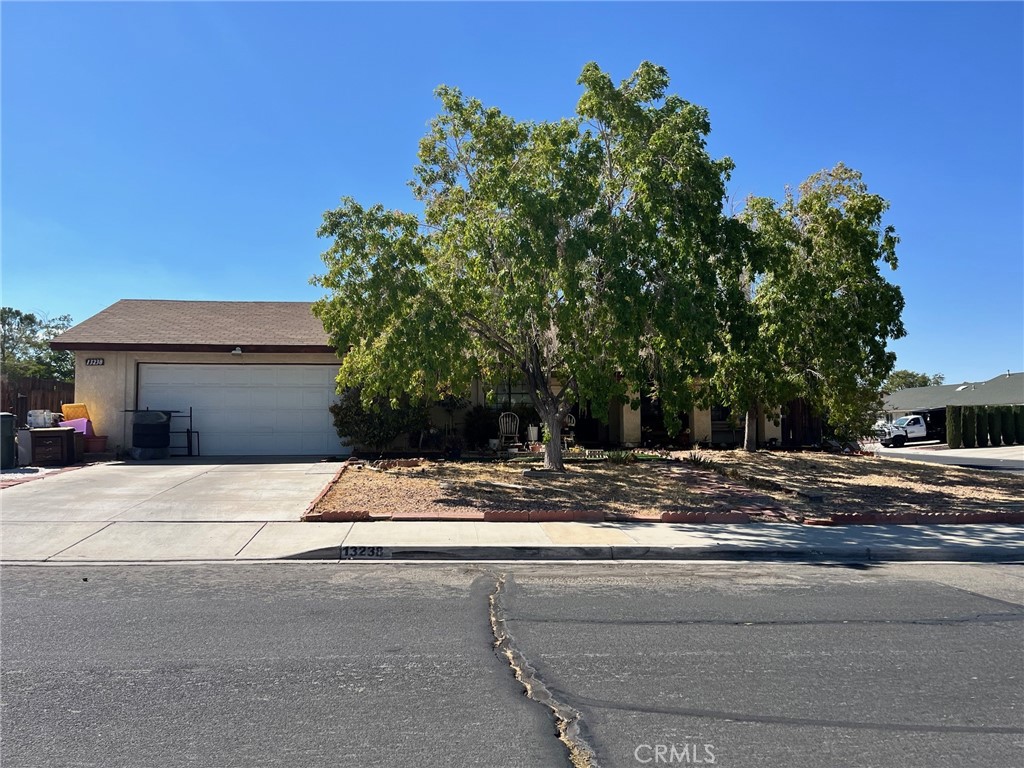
(553, 449)
(750, 430)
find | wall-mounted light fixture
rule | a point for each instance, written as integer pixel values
(236, 351)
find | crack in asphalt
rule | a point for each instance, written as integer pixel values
(979, 618)
(568, 720)
(739, 717)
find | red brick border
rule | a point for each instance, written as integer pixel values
(309, 515)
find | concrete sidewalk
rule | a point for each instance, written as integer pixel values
(134, 541)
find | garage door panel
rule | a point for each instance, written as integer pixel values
(317, 376)
(313, 398)
(264, 398)
(260, 375)
(317, 421)
(288, 397)
(248, 409)
(210, 421)
(167, 398)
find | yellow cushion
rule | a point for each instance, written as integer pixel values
(75, 411)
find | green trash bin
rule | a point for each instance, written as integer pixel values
(7, 452)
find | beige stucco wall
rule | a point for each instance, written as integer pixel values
(769, 429)
(629, 426)
(110, 389)
(700, 421)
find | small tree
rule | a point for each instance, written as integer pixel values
(25, 346)
(981, 422)
(377, 423)
(954, 434)
(1007, 426)
(995, 426)
(969, 426)
(904, 379)
(480, 424)
(818, 311)
(1018, 424)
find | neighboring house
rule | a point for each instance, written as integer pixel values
(259, 377)
(1005, 389)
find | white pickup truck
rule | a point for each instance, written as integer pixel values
(914, 428)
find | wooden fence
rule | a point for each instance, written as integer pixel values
(39, 394)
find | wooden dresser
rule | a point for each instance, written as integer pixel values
(53, 447)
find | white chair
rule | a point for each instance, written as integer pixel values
(568, 436)
(508, 429)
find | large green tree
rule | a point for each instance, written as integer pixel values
(904, 379)
(579, 255)
(813, 313)
(25, 346)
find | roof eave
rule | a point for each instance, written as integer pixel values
(90, 346)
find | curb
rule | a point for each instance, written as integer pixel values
(627, 553)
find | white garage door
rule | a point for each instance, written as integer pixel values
(247, 410)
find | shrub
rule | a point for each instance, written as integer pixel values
(621, 457)
(1009, 432)
(995, 426)
(981, 420)
(699, 460)
(481, 425)
(1018, 423)
(969, 426)
(953, 433)
(376, 425)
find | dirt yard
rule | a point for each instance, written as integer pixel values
(869, 484)
(731, 480)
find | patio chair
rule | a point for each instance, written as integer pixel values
(568, 434)
(508, 430)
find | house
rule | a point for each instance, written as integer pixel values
(258, 378)
(1005, 389)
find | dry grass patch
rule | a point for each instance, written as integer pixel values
(644, 490)
(869, 484)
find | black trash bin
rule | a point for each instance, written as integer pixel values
(151, 435)
(7, 451)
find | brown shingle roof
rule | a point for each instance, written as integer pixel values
(150, 324)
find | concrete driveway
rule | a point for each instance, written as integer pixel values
(1004, 457)
(259, 489)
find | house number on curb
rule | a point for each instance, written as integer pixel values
(94, 361)
(349, 553)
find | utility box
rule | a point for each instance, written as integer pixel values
(7, 454)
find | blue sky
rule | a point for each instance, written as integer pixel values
(188, 150)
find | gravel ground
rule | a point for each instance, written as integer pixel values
(870, 484)
(645, 489)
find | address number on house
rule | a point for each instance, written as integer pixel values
(354, 553)
(94, 361)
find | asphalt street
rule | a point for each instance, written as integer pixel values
(361, 664)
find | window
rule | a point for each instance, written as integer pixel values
(509, 393)
(721, 413)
